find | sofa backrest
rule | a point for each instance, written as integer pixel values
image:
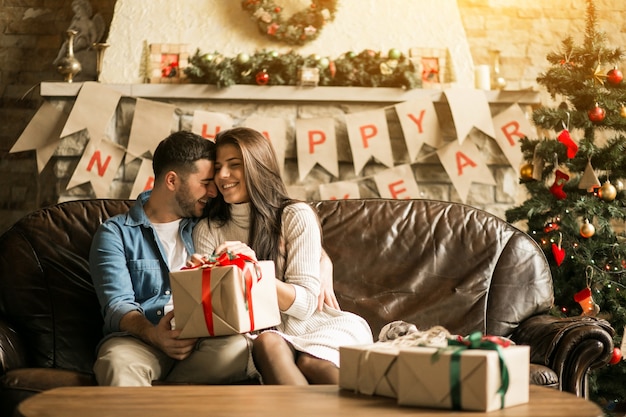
(425, 262)
(433, 263)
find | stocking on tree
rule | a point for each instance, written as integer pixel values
(574, 176)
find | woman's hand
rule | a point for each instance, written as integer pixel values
(236, 247)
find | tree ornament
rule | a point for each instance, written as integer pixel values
(302, 27)
(584, 298)
(616, 356)
(622, 111)
(243, 58)
(614, 76)
(526, 172)
(560, 178)
(394, 53)
(607, 192)
(587, 229)
(262, 77)
(598, 77)
(589, 181)
(619, 185)
(551, 227)
(565, 138)
(596, 114)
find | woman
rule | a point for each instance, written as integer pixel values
(253, 215)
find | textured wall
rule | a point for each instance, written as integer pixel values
(218, 25)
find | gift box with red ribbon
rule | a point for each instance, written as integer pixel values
(227, 295)
(478, 373)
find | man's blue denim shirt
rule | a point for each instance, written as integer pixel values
(129, 268)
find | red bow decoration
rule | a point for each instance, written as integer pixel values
(226, 259)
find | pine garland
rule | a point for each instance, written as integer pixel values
(365, 69)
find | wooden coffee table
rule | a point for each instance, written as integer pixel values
(267, 400)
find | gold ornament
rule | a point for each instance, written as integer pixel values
(607, 192)
(598, 77)
(587, 230)
(619, 185)
(622, 111)
(526, 172)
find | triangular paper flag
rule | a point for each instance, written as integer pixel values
(208, 124)
(589, 180)
(470, 108)
(152, 122)
(464, 165)
(144, 179)
(316, 143)
(397, 183)
(510, 126)
(93, 110)
(420, 125)
(341, 190)
(98, 165)
(368, 134)
(43, 133)
(275, 129)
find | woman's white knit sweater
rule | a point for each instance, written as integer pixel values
(319, 333)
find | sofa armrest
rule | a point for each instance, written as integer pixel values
(570, 346)
(12, 353)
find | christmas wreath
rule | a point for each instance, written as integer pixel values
(304, 26)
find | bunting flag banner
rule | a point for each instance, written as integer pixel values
(275, 130)
(98, 165)
(511, 125)
(144, 179)
(368, 135)
(397, 183)
(316, 143)
(341, 190)
(420, 125)
(43, 134)
(464, 165)
(152, 123)
(469, 108)
(208, 124)
(93, 110)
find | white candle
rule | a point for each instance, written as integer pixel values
(482, 77)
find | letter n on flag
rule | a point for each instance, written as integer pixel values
(464, 165)
(397, 183)
(316, 143)
(369, 137)
(98, 165)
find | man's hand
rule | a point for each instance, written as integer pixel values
(327, 293)
(167, 340)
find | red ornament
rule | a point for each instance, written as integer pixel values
(559, 253)
(596, 114)
(614, 76)
(616, 356)
(262, 77)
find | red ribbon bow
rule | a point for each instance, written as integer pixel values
(227, 259)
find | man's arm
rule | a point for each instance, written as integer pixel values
(161, 336)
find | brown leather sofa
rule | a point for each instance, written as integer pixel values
(424, 262)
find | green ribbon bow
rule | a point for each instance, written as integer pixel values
(474, 341)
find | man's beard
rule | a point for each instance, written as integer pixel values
(186, 204)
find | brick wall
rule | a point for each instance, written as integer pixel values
(33, 30)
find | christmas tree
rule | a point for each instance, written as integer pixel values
(574, 176)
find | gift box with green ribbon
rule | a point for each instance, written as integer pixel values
(472, 373)
(369, 369)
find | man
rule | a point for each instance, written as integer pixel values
(130, 260)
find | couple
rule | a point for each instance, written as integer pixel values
(132, 254)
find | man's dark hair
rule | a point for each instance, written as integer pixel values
(179, 151)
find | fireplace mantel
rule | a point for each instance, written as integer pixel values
(283, 93)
